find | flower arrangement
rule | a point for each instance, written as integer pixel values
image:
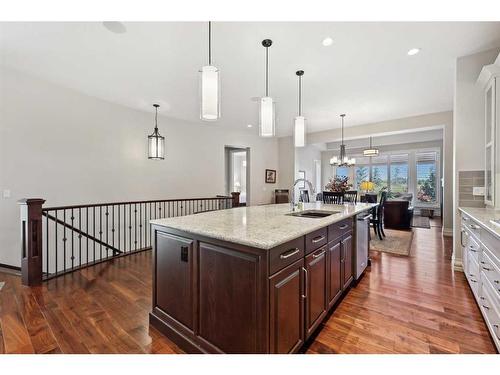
(338, 184)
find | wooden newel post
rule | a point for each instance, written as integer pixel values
(31, 241)
(236, 198)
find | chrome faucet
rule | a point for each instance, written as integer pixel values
(292, 191)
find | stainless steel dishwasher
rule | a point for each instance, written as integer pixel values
(362, 243)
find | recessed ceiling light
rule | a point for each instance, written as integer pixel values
(327, 41)
(413, 51)
(249, 125)
(115, 27)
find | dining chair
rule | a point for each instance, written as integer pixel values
(351, 196)
(377, 219)
(330, 197)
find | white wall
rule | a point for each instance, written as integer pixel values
(69, 148)
(304, 161)
(468, 127)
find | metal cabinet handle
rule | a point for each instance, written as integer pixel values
(345, 226)
(474, 281)
(496, 281)
(472, 249)
(473, 226)
(289, 253)
(464, 218)
(304, 295)
(482, 297)
(318, 239)
(486, 269)
(318, 255)
(486, 307)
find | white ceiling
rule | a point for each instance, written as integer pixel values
(365, 73)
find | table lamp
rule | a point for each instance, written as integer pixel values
(366, 186)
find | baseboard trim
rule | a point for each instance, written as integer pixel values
(10, 267)
(457, 264)
(447, 232)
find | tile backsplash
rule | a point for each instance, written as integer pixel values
(467, 180)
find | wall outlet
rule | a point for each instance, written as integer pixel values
(6, 193)
(478, 190)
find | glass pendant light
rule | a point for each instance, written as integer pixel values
(156, 143)
(300, 121)
(370, 151)
(266, 120)
(343, 160)
(209, 86)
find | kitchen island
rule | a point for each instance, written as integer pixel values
(253, 279)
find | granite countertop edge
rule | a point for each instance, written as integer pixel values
(483, 217)
(313, 225)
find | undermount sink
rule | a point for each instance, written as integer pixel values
(317, 214)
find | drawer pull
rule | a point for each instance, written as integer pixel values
(486, 307)
(496, 282)
(318, 255)
(345, 226)
(289, 253)
(473, 226)
(318, 239)
(465, 218)
(482, 298)
(486, 269)
(305, 282)
(472, 249)
(474, 281)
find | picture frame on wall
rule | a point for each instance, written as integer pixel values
(270, 176)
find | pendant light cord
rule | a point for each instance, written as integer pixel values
(156, 120)
(267, 71)
(209, 43)
(300, 95)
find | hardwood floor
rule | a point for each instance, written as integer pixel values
(413, 304)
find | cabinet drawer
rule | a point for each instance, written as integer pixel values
(472, 226)
(337, 230)
(473, 275)
(285, 254)
(490, 271)
(491, 310)
(316, 239)
(473, 249)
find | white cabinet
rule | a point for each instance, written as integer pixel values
(481, 260)
(489, 79)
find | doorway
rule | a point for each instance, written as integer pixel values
(238, 172)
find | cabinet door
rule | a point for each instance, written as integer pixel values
(316, 302)
(346, 261)
(333, 275)
(286, 321)
(174, 289)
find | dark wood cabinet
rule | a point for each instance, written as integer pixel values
(175, 253)
(212, 296)
(316, 281)
(346, 261)
(286, 323)
(334, 282)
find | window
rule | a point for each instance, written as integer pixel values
(379, 172)
(361, 173)
(426, 177)
(342, 172)
(399, 173)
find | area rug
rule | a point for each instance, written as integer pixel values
(421, 222)
(395, 242)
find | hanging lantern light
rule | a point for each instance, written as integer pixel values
(370, 151)
(209, 86)
(343, 160)
(267, 116)
(300, 121)
(156, 143)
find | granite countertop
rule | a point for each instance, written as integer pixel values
(483, 217)
(263, 227)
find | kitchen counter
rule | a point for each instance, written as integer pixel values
(262, 227)
(483, 216)
(253, 279)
